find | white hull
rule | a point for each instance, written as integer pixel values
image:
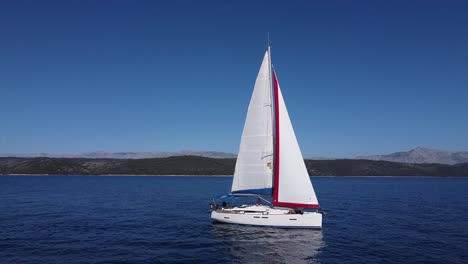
(267, 216)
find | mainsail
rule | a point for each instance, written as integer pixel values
(253, 173)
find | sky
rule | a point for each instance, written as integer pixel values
(358, 77)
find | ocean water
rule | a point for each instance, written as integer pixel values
(166, 220)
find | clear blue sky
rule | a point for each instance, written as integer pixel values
(359, 77)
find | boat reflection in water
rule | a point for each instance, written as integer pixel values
(250, 244)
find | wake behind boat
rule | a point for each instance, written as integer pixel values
(270, 164)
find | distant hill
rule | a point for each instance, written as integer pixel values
(177, 165)
(356, 167)
(423, 155)
(417, 155)
(196, 165)
(126, 155)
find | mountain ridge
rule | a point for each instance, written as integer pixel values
(126, 154)
(417, 155)
(196, 165)
(421, 155)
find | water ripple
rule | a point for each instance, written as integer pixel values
(166, 220)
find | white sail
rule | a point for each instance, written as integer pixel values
(293, 187)
(253, 173)
(268, 139)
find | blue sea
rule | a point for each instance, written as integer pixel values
(87, 219)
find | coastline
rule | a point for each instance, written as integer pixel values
(113, 175)
(201, 166)
(227, 176)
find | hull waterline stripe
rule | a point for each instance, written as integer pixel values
(216, 221)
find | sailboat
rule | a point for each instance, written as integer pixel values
(270, 164)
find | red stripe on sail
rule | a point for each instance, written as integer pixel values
(299, 205)
(277, 144)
